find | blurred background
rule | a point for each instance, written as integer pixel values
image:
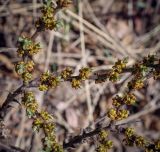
(92, 33)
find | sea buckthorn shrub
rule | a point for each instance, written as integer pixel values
(42, 120)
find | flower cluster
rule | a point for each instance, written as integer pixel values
(66, 73)
(105, 144)
(128, 99)
(30, 103)
(45, 121)
(132, 139)
(27, 47)
(48, 81)
(41, 120)
(136, 84)
(117, 113)
(117, 69)
(76, 81)
(84, 74)
(47, 20)
(140, 71)
(24, 69)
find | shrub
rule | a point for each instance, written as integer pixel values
(42, 120)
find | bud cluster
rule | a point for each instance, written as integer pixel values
(27, 47)
(104, 143)
(139, 71)
(84, 74)
(132, 139)
(117, 113)
(117, 69)
(41, 120)
(48, 19)
(48, 81)
(24, 69)
(76, 81)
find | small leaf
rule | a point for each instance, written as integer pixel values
(20, 39)
(54, 67)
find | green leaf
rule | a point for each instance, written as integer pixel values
(54, 67)
(29, 113)
(141, 4)
(20, 39)
(125, 60)
(59, 24)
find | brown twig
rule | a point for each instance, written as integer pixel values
(101, 75)
(8, 148)
(80, 138)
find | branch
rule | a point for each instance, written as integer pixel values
(8, 148)
(11, 98)
(80, 138)
(101, 74)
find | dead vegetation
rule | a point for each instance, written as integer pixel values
(92, 33)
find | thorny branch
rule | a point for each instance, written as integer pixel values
(97, 75)
(112, 126)
(11, 96)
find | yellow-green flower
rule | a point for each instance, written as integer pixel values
(122, 114)
(140, 141)
(84, 73)
(65, 74)
(43, 87)
(129, 99)
(113, 76)
(26, 76)
(76, 83)
(129, 132)
(112, 114)
(117, 101)
(108, 144)
(101, 148)
(48, 81)
(27, 46)
(136, 84)
(30, 66)
(47, 21)
(45, 115)
(37, 124)
(103, 134)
